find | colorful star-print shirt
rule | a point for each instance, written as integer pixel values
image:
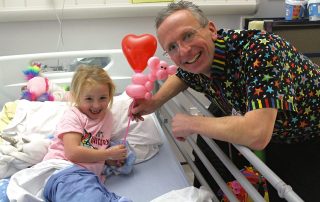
(252, 69)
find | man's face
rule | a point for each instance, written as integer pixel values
(189, 45)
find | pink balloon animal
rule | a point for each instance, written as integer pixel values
(142, 85)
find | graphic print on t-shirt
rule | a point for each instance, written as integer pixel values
(85, 140)
(93, 141)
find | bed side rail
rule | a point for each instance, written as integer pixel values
(285, 191)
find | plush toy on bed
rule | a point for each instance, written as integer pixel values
(39, 88)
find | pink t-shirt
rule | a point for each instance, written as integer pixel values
(95, 134)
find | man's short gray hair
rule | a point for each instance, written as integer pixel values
(181, 5)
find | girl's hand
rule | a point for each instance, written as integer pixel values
(117, 163)
(117, 152)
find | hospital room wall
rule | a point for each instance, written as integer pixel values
(82, 34)
(43, 36)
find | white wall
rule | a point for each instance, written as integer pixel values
(43, 36)
(271, 8)
(107, 33)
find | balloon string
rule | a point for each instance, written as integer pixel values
(127, 129)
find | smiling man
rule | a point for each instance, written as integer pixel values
(266, 94)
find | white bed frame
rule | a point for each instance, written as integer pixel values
(175, 105)
(12, 77)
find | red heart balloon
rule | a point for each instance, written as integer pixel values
(138, 49)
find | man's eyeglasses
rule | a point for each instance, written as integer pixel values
(187, 37)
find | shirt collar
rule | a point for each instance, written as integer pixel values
(219, 58)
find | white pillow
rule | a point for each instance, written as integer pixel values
(143, 136)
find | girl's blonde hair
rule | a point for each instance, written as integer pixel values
(88, 76)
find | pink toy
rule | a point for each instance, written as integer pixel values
(139, 51)
(40, 88)
(142, 85)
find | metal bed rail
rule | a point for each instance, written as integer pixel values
(285, 191)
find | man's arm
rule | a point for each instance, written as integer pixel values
(171, 87)
(253, 130)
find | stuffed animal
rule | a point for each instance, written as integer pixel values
(39, 88)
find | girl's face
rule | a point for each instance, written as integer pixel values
(94, 101)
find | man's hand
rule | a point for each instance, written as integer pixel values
(182, 126)
(141, 107)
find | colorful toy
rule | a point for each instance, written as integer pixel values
(39, 88)
(139, 51)
(142, 85)
(255, 178)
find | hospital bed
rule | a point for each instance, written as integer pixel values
(155, 174)
(162, 171)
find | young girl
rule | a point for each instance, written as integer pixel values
(83, 135)
(72, 169)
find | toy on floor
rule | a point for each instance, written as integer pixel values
(255, 178)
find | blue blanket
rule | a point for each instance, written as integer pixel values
(128, 165)
(3, 190)
(78, 184)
